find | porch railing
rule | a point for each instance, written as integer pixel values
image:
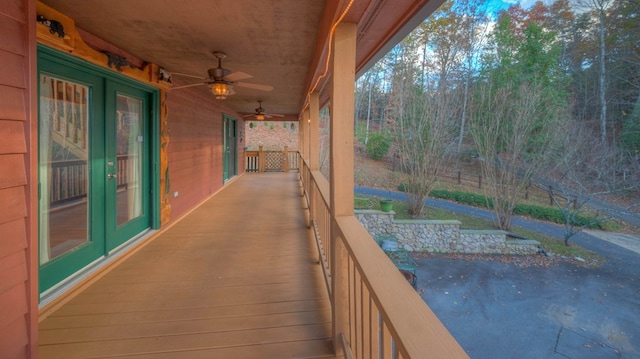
(271, 161)
(69, 179)
(384, 316)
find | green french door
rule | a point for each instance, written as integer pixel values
(94, 164)
(230, 145)
(127, 210)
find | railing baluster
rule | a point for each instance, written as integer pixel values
(386, 340)
(379, 325)
(358, 336)
(374, 329)
(365, 303)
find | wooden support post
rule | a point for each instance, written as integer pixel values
(341, 163)
(285, 159)
(305, 135)
(314, 140)
(260, 159)
(165, 205)
(302, 129)
(314, 131)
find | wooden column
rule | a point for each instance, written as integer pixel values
(341, 163)
(307, 144)
(314, 132)
(165, 205)
(314, 140)
(302, 128)
(285, 159)
(261, 162)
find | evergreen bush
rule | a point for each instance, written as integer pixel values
(378, 146)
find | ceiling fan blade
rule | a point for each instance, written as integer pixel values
(276, 115)
(237, 76)
(185, 86)
(255, 86)
(249, 115)
(188, 75)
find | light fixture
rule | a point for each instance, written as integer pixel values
(220, 90)
(260, 116)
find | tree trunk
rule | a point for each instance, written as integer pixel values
(463, 118)
(366, 134)
(603, 100)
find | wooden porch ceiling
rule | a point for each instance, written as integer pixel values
(246, 285)
(282, 43)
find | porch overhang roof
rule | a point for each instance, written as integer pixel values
(282, 43)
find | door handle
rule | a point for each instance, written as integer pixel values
(111, 175)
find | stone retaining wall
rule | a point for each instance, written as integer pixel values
(441, 236)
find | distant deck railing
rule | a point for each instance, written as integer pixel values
(271, 161)
(382, 316)
(69, 179)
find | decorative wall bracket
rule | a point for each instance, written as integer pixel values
(117, 61)
(163, 75)
(55, 27)
(62, 34)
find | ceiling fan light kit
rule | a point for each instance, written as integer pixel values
(262, 114)
(221, 80)
(220, 90)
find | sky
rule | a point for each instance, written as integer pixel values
(525, 4)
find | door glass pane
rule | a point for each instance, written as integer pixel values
(129, 149)
(63, 150)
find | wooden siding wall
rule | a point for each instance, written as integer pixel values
(195, 150)
(16, 51)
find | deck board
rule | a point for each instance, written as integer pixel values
(237, 278)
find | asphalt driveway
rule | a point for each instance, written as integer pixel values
(502, 310)
(498, 310)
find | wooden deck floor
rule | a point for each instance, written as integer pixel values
(236, 278)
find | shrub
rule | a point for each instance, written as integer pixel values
(471, 199)
(403, 187)
(378, 146)
(529, 210)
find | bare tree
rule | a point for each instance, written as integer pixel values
(424, 129)
(513, 132)
(576, 182)
(422, 112)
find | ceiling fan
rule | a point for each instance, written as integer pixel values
(221, 80)
(261, 113)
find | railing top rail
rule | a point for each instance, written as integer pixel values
(323, 186)
(416, 328)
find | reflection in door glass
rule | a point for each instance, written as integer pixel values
(63, 150)
(129, 169)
